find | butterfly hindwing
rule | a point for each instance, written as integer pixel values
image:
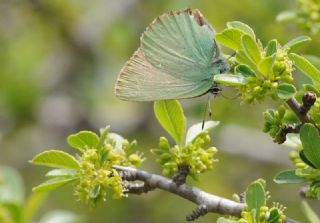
(141, 81)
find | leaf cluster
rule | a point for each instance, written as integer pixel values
(90, 171)
(256, 211)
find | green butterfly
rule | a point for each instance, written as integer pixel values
(177, 59)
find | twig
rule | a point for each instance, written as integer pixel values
(213, 203)
(181, 176)
(301, 111)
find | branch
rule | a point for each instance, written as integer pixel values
(205, 201)
(301, 110)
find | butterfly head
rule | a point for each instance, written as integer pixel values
(224, 66)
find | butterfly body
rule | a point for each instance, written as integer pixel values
(177, 59)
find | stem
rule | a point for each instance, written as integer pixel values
(295, 106)
(213, 203)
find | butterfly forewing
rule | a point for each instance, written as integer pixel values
(177, 44)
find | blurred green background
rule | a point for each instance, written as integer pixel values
(59, 61)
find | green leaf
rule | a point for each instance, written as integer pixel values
(251, 48)
(61, 173)
(103, 135)
(311, 87)
(83, 140)
(196, 129)
(225, 220)
(56, 158)
(306, 67)
(310, 139)
(245, 70)
(32, 205)
(314, 60)
(170, 115)
(53, 184)
(296, 42)
(255, 197)
(288, 177)
(11, 186)
(305, 160)
(230, 38)
(242, 58)
(286, 91)
(271, 47)
(243, 27)
(274, 216)
(265, 65)
(309, 213)
(286, 16)
(230, 79)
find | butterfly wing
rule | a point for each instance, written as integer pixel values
(182, 45)
(176, 60)
(139, 80)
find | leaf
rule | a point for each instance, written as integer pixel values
(225, 220)
(296, 42)
(288, 177)
(310, 87)
(53, 184)
(286, 91)
(32, 205)
(306, 67)
(61, 173)
(305, 160)
(241, 26)
(251, 48)
(310, 139)
(245, 70)
(83, 140)
(271, 47)
(242, 58)
(314, 60)
(309, 213)
(255, 197)
(293, 140)
(170, 115)
(274, 216)
(230, 79)
(11, 186)
(286, 16)
(196, 129)
(103, 135)
(56, 158)
(265, 65)
(117, 138)
(59, 216)
(230, 38)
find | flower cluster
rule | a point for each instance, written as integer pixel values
(96, 175)
(274, 123)
(91, 171)
(264, 84)
(195, 155)
(308, 15)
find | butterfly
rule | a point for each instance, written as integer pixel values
(177, 58)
